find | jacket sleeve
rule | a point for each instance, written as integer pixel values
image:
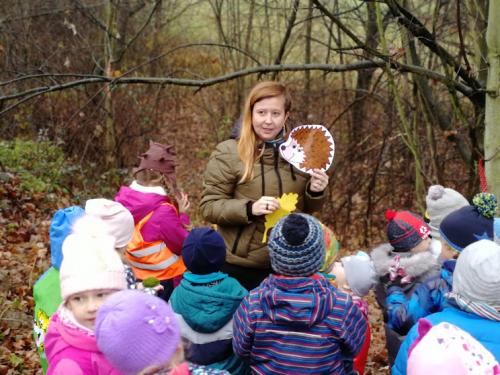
(314, 203)
(353, 330)
(218, 205)
(169, 226)
(403, 312)
(399, 367)
(243, 330)
(65, 366)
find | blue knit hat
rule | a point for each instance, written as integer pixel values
(405, 230)
(470, 223)
(296, 246)
(60, 227)
(203, 251)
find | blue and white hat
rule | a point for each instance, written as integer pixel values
(470, 223)
(296, 246)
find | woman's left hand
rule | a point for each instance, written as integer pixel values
(319, 181)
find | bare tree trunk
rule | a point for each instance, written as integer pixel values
(492, 114)
(307, 60)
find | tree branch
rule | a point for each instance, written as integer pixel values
(201, 83)
(418, 30)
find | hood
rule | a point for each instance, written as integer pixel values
(139, 203)
(207, 309)
(296, 301)
(60, 336)
(416, 265)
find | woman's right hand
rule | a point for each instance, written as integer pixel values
(265, 205)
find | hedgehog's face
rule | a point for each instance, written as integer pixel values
(268, 117)
(292, 151)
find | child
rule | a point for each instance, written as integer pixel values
(155, 347)
(429, 297)
(406, 261)
(440, 202)
(474, 304)
(355, 275)
(296, 322)
(90, 272)
(160, 222)
(470, 223)
(47, 291)
(205, 302)
(446, 349)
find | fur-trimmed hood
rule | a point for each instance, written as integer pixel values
(416, 265)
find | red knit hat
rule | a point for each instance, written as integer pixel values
(405, 230)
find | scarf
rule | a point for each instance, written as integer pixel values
(477, 308)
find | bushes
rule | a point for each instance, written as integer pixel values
(40, 165)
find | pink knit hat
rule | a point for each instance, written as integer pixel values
(446, 349)
(90, 261)
(118, 219)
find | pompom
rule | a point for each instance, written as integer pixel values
(91, 226)
(486, 204)
(295, 229)
(435, 192)
(390, 215)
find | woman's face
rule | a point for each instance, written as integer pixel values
(268, 117)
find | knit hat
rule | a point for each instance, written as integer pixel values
(476, 276)
(359, 273)
(118, 219)
(203, 251)
(447, 349)
(90, 260)
(296, 246)
(332, 247)
(159, 158)
(470, 223)
(60, 228)
(405, 230)
(440, 202)
(136, 330)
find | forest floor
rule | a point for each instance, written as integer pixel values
(24, 255)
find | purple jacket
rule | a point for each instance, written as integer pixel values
(165, 224)
(72, 351)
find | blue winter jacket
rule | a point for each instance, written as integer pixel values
(403, 310)
(483, 330)
(298, 325)
(204, 305)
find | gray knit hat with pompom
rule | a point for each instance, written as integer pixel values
(440, 202)
(296, 246)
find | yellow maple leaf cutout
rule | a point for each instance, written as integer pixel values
(288, 203)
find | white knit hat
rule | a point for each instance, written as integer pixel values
(476, 276)
(119, 220)
(440, 202)
(90, 261)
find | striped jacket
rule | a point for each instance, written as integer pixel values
(295, 325)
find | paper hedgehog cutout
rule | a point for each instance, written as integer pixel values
(309, 147)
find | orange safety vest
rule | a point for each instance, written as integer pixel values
(152, 259)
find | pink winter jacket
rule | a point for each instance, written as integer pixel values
(71, 351)
(164, 225)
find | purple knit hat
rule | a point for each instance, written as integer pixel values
(135, 330)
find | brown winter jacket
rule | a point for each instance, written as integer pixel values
(224, 199)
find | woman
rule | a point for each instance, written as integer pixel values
(245, 176)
